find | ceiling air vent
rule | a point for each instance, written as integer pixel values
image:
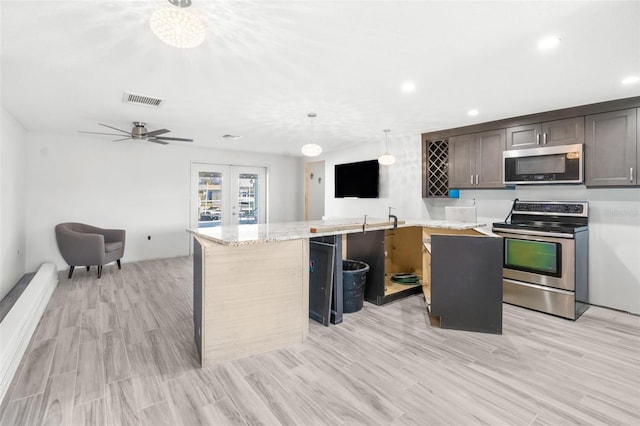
(134, 98)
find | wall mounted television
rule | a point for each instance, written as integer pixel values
(357, 179)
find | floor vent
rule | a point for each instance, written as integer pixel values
(134, 98)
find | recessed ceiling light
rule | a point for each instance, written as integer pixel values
(631, 79)
(548, 42)
(408, 87)
(472, 112)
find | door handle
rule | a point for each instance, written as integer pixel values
(544, 138)
(537, 138)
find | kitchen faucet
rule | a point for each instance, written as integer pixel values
(394, 217)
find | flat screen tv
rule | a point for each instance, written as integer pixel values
(357, 179)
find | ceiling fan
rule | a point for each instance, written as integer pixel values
(140, 132)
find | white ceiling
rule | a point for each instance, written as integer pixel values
(266, 64)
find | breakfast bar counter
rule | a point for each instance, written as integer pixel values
(251, 282)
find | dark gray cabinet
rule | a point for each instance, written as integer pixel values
(462, 160)
(611, 148)
(466, 282)
(325, 279)
(475, 160)
(550, 133)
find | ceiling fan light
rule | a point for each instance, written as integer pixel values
(177, 27)
(311, 150)
(386, 159)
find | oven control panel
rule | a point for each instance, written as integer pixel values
(561, 208)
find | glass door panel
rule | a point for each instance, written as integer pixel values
(249, 187)
(227, 195)
(209, 199)
(248, 198)
(209, 196)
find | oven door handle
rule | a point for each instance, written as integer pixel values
(540, 287)
(529, 232)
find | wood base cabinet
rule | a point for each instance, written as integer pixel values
(388, 252)
(249, 299)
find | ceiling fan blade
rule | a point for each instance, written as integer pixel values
(158, 132)
(166, 138)
(123, 139)
(115, 128)
(98, 133)
(157, 141)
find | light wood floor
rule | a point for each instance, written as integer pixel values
(120, 351)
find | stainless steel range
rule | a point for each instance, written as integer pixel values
(546, 256)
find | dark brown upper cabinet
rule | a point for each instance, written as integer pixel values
(611, 148)
(550, 133)
(475, 160)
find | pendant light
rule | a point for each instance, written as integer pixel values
(386, 159)
(311, 149)
(177, 27)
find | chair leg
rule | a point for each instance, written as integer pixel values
(99, 271)
(88, 267)
(119, 265)
(71, 268)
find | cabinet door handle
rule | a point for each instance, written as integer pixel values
(630, 174)
(538, 139)
(471, 179)
(544, 139)
(477, 180)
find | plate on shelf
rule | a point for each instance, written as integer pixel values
(405, 278)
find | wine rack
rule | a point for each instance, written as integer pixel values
(437, 168)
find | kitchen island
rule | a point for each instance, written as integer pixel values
(251, 282)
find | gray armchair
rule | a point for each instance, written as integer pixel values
(86, 245)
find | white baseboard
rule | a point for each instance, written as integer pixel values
(18, 326)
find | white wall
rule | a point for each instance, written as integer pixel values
(12, 201)
(134, 185)
(614, 228)
(400, 184)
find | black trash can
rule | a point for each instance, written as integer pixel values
(354, 278)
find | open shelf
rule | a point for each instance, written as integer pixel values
(392, 288)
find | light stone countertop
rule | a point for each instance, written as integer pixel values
(236, 235)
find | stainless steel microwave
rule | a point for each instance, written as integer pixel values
(545, 165)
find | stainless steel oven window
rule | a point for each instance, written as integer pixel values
(533, 256)
(567, 277)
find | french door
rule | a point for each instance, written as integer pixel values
(227, 195)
